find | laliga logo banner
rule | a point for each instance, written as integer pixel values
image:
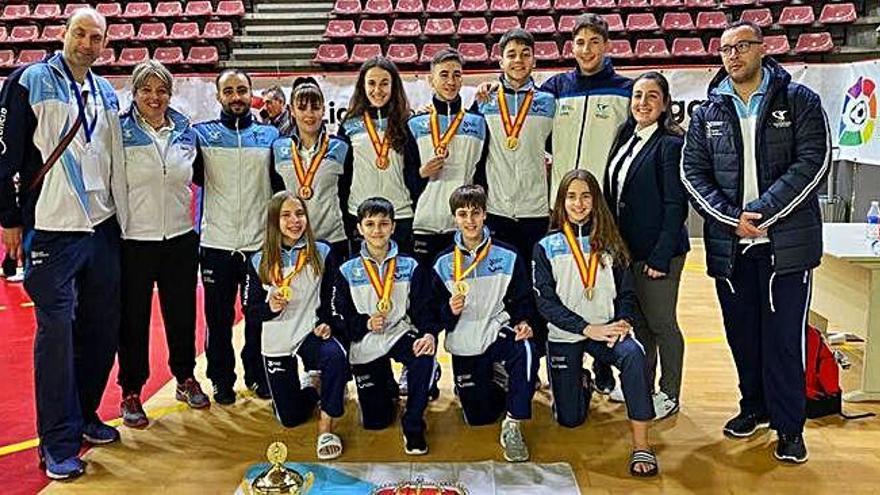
(859, 113)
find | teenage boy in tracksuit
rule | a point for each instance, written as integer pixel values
(385, 322)
(482, 294)
(238, 179)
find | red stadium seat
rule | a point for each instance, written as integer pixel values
(473, 26)
(378, 7)
(218, 30)
(761, 17)
(23, 34)
(373, 28)
(838, 13)
(46, 11)
(203, 55)
(199, 8)
(714, 45)
(536, 5)
(361, 53)
(814, 43)
(109, 11)
(641, 22)
(473, 52)
(677, 21)
(231, 8)
(738, 3)
(542, 24)
(688, 47)
(347, 7)
(769, 2)
(439, 27)
(119, 32)
(150, 31)
(52, 33)
(7, 58)
(430, 49)
(546, 50)
(567, 52)
(135, 10)
(620, 49)
(440, 6)
(699, 4)
(711, 21)
(633, 4)
(665, 4)
(403, 53)
(30, 56)
(599, 4)
(568, 5)
(409, 7)
(566, 24)
(797, 15)
(133, 56)
(501, 25)
(776, 45)
(340, 28)
(495, 52)
(654, 48)
(15, 12)
(169, 55)
(473, 6)
(107, 57)
(184, 31)
(3, 34)
(331, 54)
(504, 6)
(169, 9)
(73, 7)
(615, 22)
(406, 28)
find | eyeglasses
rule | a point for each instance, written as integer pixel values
(740, 47)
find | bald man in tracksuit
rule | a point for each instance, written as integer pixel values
(238, 179)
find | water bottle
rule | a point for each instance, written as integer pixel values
(872, 229)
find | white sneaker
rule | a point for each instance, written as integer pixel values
(18, 277)
(664, 405)
(616, 395)
(311, 378)
(513, 444)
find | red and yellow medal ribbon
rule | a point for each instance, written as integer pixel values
(458, 259)
(384, 286)
(441, 143)
(512, 129)
(380, 145)
(306, 177)
(283, 283)
(587, 270)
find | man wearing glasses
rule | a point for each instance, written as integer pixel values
(754, 155)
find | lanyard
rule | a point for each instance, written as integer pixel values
(88, 128)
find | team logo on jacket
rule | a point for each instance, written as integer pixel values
(603, 111)
(214, 135)
(714, 128)
(780, 119)
(859, 114)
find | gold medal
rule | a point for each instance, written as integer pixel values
(382, 287)
(384, 306)
(380, 145)
(587, 268)
(461, 288)
(307, 177)
(285, 292)
(512, 127)
(382, 162)
(441, 151)
(283, 283)
(441, 143)
(305, 192)
(512, 143)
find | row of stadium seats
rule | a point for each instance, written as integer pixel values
(475, 52)
(801, 15)
(124, 32)
(172, 55)
(132, 10)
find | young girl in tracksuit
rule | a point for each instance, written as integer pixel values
(289, 290)
(375, 128)
(584, 289)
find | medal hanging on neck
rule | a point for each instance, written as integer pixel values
(441, 143)
(460, 286)
(513, 129)
(380, 145)
(283, 283)
(307, 177)
(384, 286)
(587, 269)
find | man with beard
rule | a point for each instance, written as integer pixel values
(754, 154)
(236, 173)
(59, 131)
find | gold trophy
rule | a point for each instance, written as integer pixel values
(279, 479)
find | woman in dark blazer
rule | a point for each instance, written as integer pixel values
(647, 199)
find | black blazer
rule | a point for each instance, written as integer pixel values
(653, 205)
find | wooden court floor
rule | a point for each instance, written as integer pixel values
(206, 452)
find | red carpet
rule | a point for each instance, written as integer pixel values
(18, 472)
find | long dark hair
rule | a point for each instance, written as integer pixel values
(270, 263)
(666, 120)
(604, 235)
(398, 105)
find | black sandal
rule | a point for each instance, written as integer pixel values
(643, 457)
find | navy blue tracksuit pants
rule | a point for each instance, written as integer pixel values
(571, 398)
(224, 274)
(295, 405)
(482, 400)
(73, 279)
(765, 318)
(377, 400)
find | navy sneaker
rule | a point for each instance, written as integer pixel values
(603, 381)
(791, 449)
(98, 433)
(225, 396)
(414, 443)
(744, 425)
(261, 390)
(66, 469)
